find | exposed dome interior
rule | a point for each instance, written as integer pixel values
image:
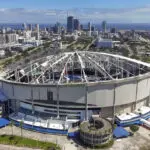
(77, 67)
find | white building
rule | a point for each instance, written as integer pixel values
(11, 38)
(2, 39)
(2, 53)
(35, 43)
(27, 34)
(104, 43)
(95, 33)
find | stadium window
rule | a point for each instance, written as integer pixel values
(50, 95)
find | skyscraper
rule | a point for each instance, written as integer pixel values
(57, 28)
(81, 27)
(37, 27)
(37, 31)
(89, 26)
(89, 29)
(30, 27)
(104, 26)
(24, 26)
(70, 24)
(76, 24)
(93, 28)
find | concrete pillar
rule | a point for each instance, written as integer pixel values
(135, 106)
(32, 100)
(148, 101)
(57, 101)
(114, 103)
(13, 92)
(9, 101)
(86, 102)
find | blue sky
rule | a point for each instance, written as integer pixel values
(65, 4)
(49, 11)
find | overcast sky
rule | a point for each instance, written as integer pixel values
(50, 11)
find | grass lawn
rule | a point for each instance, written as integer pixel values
(25, 142)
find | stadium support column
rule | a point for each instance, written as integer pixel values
(32, 100)
(86, 102)
(148, 102)
(57, 101)
(114, 103)
(136, 97)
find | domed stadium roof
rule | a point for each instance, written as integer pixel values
(77, 67)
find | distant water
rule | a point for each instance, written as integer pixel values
(134, 26)
(130, 26)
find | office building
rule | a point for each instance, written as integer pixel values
(113, 30)
(30, 27)
(57, 28)
(2, 39)
(70, 24)
(89, 26)
(89, 29)
(104, 43)
(104, 26)
(76, 24)
(24, 26)
(37, 31)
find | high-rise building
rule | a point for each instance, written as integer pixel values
(89, 26)
(27, 34)
(8, 38)
(89, 29)
(11, 38)
(2, 39)
(81, 27)
(113, 30)
(37, 27)
(24, 26)
(37, 31)
(3, 31)
(70, 24)
(104, 26)
(57, 28)
(93, 28)
(30, 27)
(76, 24)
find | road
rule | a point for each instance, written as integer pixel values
(87, 48)
(129, 49)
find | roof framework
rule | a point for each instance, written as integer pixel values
(79, 66)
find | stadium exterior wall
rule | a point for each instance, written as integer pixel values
(124, 94)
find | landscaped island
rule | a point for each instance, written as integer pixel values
(26, 142)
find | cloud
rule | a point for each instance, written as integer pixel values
(134, 15)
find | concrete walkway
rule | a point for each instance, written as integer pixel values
(141, 138)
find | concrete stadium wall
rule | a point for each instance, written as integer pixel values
(101, 94)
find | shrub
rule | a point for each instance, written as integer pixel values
(114, 126)
(134, 128)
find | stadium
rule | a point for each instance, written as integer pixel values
(59, 91)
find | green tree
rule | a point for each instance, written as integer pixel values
(134, 128)
(18, 57)
(25, 53)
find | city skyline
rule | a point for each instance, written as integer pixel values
(96, 11)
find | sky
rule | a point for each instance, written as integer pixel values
(50, 11)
